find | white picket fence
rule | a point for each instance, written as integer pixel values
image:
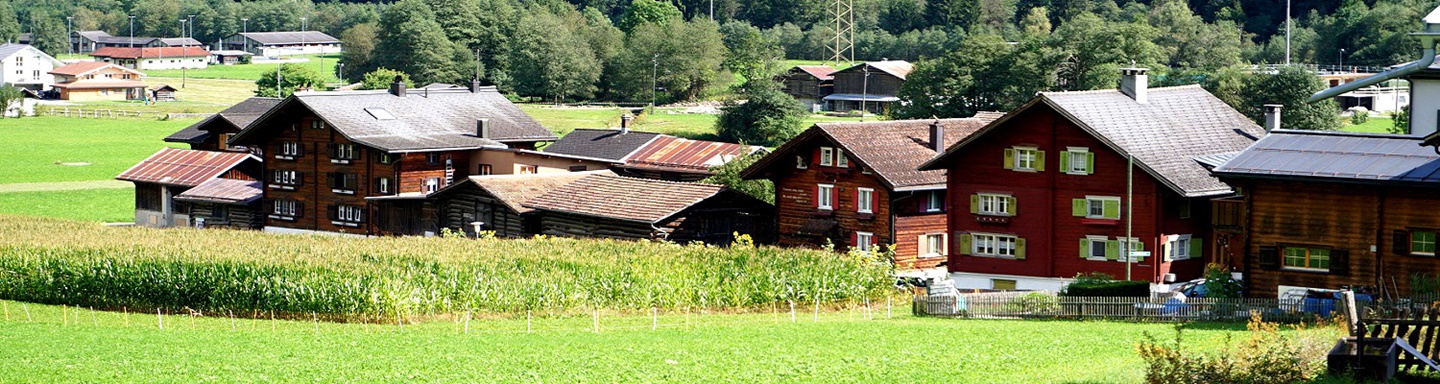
(1030, 305)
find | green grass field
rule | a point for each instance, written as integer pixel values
(1373, 125)
(321, 64)
(100, 204)
(67, 345)
(47, 148)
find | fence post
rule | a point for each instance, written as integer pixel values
(159, 320)
(792, 311)
(467, 322)
(597, 319)
(527, 321)
(7, 309)
(93, 319)
(817, 308)
(654, 318)
(27, 313)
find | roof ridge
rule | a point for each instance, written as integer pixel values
(1346, 134)
(658, 181)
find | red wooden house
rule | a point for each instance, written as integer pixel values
(855, 185)
(214, 132)
(1046, 186)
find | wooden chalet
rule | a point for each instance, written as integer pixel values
(809, 84)
(649, 155)
(873, 85)
(163, 92)
(161, 179)
(855, 185)
(1046, 186)
(362, 162)
(214, 132)
(497, 202)
(97, 81)
(225, 203)
(618, 207)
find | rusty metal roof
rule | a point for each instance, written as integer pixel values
(685, 155)
(139, 53)
(224, 191)
(183, 167)
(821, 72)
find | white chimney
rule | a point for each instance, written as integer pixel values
(1272, 117)
(1133, 82)
(625, 123)
(482, 128)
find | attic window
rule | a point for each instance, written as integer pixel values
(380, 113)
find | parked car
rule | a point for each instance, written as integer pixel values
(1197, 288)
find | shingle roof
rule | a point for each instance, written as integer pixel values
(224, 191)
(821, 72)
(517, 190)
(423, 120)
(607, 144)
(1166, 135)
(183, 167)
(897, 68)
(297, 37)
(239, 115)
(624, 198)
(685, 155)
(892, 149)
(1337, 156)
(82, 67)
(138, 52)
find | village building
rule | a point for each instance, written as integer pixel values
(873, 86)
(619, 207)
(648, 154)
(228, 57)
(854, 185)
(214, 132)
(90, 41)
(362, 162)
(27, 67)
(163, 92)
(167, 181)
(808, 84)
(273, 44)
(97, 81)
(497, 202)
(155, 58)
(1048, 192)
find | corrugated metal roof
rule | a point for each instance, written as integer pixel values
(138, 52)
(83, 67)
(625, 198)
(223, 191)
(607, 144)
(183, 167)
(821, 72)
(296, 37)
(1338, 156)
(897, 68)
(685, 155)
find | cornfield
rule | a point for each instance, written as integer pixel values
(84, 264)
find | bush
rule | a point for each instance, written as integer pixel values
(1097, 284)
(1267, 357)
(1033, 302)
(1359, 115)
(769, 117)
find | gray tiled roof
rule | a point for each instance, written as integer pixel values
(240, 115)
(93, 35)
(423, 120)
(298, 37)
(607, 144)
(1337, 156)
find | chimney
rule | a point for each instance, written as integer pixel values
(625, 123)
(937, 136)
(1133, 83)
(1272, 117)
(475, 86)
(397, 88)
(482, 128)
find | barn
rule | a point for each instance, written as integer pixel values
(619, 207)
(496, 202)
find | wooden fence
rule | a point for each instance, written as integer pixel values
(1416, 322)
(1047, 305)
(95, 113)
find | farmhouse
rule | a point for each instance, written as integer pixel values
(1046, 186)
(226, 57)
(648, 154)
(497, 202)
(168, 179)
(854, 185)
(271, 44)
(873, 86)
(191, 57)
(363, 161)
(808, 84)
(214, 132)
(26, 67)
(618, 207)
(93, 81)
(90, 41)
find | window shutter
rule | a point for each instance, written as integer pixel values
(1166, 249)
(965, 248)
(299, 178)
(1339, 262)
(332, 211)
(1090, 163)
(1269, 258)
(1040, 161)
(1065, 161)
(1139, 246)
(267, 206)
(1402, 242)
(299, 209)
(1084, 248)
(1112, 250)
(817, 196)
(1019, 248)
(815, 156)
(1079, 208)
(1112, 209)
(854, 239)
(299, 149)
(1009, 158)
(330, 149)
(1010, 208)
(1197, 248)
(975, 203)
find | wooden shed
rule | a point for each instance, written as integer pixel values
(164, 92)
(225, 203)
(496, 202)
(618, 207)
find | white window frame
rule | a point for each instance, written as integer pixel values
(825, 197)
(284, 209)
(865, 200)
(928, 249)
(1178, 247)
(284, 178)
(317, 124)
(1090, 206)
(289, 150)
(384, 186)
(840, 160)
(863, 241)
(800, 162)
(344, 153)
(993, 245)
(526, 169)
(349, 213)
(934, 201)
(1125, 250)
(1020, 157)
(1102, 241)
(1080, 166)
(827, 156)
(432, 184)
(994, 204)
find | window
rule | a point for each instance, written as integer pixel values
(1097, 207)
(1077, 161)
(284, 209)
(1094, 247)
(993, 245)
(19, 60)
(993, 204)
(1307, 258)
(484, 169)
(863, 241)
(1025, 159)
(348, 215)
(432, 184)
(284, 179)
(289, 150)
(932, 245)
(384, 186)
(1135, 246)
(934, 201)
(841, 161)
(432, 158)
(1184, 208)
(1422, 243)
(825, 197)
(1002, 284)
(386, 158)
(1178, 248)
(577, 168)
(225, 141)
(827, 156)
(800, 162)
(529, 169)
(317, 124)
(343, 183)
(865, 200)
(342, 153)
(35, 74)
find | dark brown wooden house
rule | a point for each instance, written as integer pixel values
(618, 207)
(855, 185)
(873, 85)
(809, 84)
(161, 179)
(162, 92)
(1332, 210)
(225, 203)
(497, 202)
(214, 132)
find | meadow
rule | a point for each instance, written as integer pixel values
(321, 64)
(49, 148)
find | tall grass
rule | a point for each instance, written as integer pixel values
(61, 262)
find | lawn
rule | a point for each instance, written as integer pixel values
(321, 64)
(1373, 125)
(99, 204)
(66, 345)
(45, 149)
(562, 120)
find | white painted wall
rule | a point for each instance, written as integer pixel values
(29, 68)
(152, 63)
(986, 281)
(1424, 106)
(291, 50)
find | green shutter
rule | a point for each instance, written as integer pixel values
(1112, 209)
(1019, 248)
(1196, 247)
(1009, 158)
(1084, 248)
(1010, 208)
(975, 203)
(1139, 246)
(1078, 207)
(1090, 163)
(1112, 250)
(1039, 161)
(965, 244)
(1065, 161)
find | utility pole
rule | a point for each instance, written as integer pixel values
(1342, 60)
(132, 31)
(654, 71)
(1287, 32)
(69, 35)
(245, 30)
(279, 92)
(864, 91)
(182, 53)
(1129, 213)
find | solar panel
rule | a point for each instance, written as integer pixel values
(380, 113)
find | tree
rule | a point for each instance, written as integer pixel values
(984, 73)
(359, 43)
(9, 24)
(1097, 48)
(1036, 23)
(381, 78)
(769, 117)
(292, 78)
(685, 58)
(551, 57)
(48, 32)
(749, 49)
(414, 43)
(158, 18)
(1290, 87)
(648, 12)
(728, 174)
(9, 96)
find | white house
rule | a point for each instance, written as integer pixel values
(25, 66)
(272, 44)
(155, 58)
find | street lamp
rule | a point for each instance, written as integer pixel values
(1342, 60)
(654, 68)
(245, 30)
(182, 53)
(69, 35)
(132, 31)
(864, 90)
